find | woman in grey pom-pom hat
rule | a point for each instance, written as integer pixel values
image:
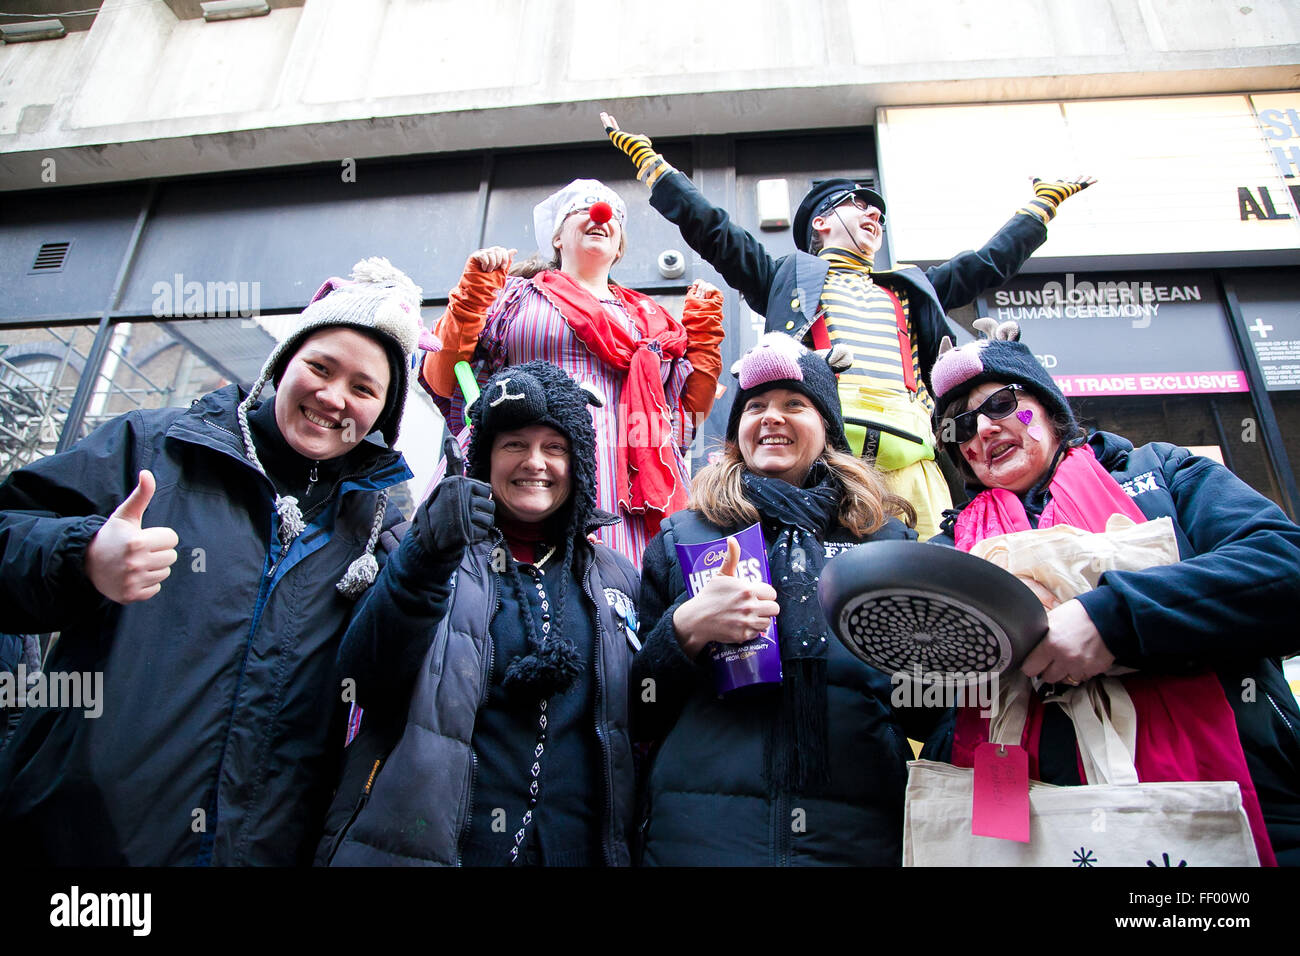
(201, 565)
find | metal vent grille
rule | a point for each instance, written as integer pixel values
(51, 256)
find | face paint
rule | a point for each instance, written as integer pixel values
(1026, 415)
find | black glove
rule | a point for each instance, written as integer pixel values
(456, 516)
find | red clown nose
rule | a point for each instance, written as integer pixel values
(601, 212)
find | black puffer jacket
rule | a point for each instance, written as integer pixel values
(706, 802)
(421, 652)
(220, 733)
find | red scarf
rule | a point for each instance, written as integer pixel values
(648, 479)
(1186, 727)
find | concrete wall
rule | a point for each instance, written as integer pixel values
(142, 94)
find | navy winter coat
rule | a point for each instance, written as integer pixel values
(421, 653)
(1229, 604)
(218, 741)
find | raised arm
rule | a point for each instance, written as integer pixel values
(738, 256)
(959, 280)
(396, 621)
(462, 321)
(702, 316)
(50, 511)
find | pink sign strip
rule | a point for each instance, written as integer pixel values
(1152, 383)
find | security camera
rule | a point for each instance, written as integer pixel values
(672, 264)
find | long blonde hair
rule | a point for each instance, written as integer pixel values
(718, 493)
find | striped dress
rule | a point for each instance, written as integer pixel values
(523, 326)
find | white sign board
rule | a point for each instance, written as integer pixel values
(1174, 174)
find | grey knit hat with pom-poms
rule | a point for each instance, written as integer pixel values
(381, 301)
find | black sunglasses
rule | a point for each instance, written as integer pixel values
(860, 202)
(998, 405)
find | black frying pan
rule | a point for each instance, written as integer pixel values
(937, 614)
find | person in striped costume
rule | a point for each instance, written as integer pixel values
(657, 375)
(829, 292)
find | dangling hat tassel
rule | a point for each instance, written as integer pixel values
(359, 576)
(361, 573)
(291, 523)
(286, 506)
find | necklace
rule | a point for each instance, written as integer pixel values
(535, 771)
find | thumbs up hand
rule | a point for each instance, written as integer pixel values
(728, 609)
(732, 560)
(125, 561)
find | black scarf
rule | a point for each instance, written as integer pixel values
(552, 663)
(797, 746)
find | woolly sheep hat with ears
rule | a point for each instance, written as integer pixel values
(579, 194)
(778, 361)
(1001, 357)
(539, 393)
(382, 302)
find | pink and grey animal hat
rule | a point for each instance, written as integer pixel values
(778, 361)
(999, 358)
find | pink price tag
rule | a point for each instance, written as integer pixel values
(1001, 801)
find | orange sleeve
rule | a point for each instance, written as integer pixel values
(459, 327)
(702, 316)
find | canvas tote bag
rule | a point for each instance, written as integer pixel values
(1113, 820)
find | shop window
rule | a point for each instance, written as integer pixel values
(39, 372)
(1226, 422)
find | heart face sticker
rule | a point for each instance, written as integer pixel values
(1025, 415)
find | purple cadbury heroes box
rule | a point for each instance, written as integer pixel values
(735, 666)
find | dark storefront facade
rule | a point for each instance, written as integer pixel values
(169, 289)
(151, 294)
(1166, 301)
(1208, 359)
